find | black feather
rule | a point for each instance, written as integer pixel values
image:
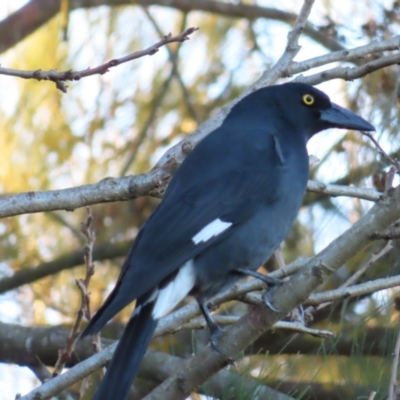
(128, 355)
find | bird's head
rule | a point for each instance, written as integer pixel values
(298, 105)
(319, 112)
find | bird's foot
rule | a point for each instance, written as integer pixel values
(214, 336)
(268, 301)
(269, 280)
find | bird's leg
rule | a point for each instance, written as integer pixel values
(214, 329)
(269, 280)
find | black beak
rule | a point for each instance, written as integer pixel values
(339, 117)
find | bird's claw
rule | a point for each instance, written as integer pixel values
(215, 334)
(269, 280)
(268, 301)
(274, 281)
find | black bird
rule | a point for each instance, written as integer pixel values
(224, 213)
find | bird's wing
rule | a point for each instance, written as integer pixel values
(204, 202)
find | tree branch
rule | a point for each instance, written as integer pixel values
(65, 353)
(221, 320)
(350, 73)
(356, 54)
(60, 77)
(25, 275)
(131, 187)
(107, 190)
(340, 190)
(292, 48)
(330, 296)
(35, 13)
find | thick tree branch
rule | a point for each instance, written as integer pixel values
(107, 190)
(35, 346)
(32, 346)
(35, 13)
(101, 251)
(221, 385)
(131, 187)
(368, 341)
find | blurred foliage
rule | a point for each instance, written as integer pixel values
(123, 121)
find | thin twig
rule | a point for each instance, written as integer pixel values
(330, 296)
(373, 259)
(157, 99)
(301, 328)
(65, 353)
(353, 291)
(281, 67)
(173, 56)
(90, 235)
(383, 153)
(221, 320)
(350, 73)
(341, 190)
(60, 77)
(358, 53)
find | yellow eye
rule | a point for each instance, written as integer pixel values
(308, 100)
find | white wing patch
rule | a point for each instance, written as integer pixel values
(209, 231)
(175, 291)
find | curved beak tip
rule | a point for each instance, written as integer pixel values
(339, 117)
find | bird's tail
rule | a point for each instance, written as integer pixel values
(114, 303)
(131, 348)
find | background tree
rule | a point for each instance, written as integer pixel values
(66, 128)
